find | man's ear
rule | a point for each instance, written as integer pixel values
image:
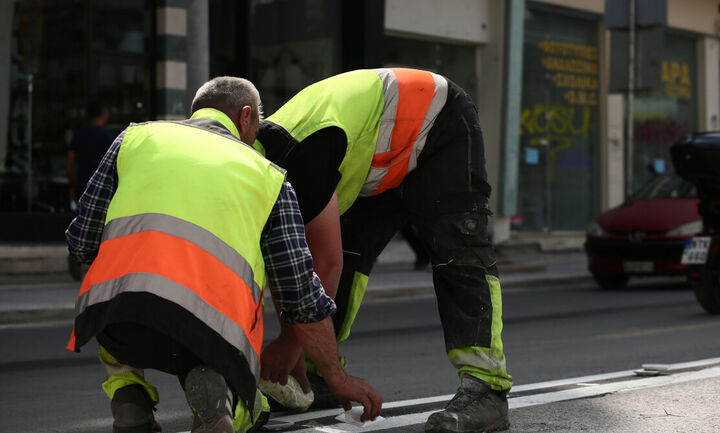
(245, 117)
(241, 118)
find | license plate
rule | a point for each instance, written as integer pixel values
(696, 250)
(638, 267)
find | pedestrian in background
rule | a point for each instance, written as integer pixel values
(87, 147)
(184, 224)
(369, 151)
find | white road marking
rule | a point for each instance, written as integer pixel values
(587, 386)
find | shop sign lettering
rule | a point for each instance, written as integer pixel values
(676, 79)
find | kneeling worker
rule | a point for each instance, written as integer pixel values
(183, 223)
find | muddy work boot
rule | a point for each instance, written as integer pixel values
(132, 411)
(476, 408)
(210, 400)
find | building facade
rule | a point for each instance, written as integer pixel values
(538, 71)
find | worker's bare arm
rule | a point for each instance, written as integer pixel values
(325, 242)
(318, 341)
(284, 356)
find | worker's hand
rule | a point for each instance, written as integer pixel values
(300, 373)
(349, 388)
(281, 357)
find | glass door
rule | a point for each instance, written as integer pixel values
(558, 174)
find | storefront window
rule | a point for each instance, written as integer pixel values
(294, 43)
(660, 118)
(74, 51)
(47, 54)
(559, 123)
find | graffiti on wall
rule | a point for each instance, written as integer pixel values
(555, 126)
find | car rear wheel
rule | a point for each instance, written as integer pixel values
(707, 289)
(611, 281)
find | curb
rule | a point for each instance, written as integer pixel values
(43, 315)
(37, 316)
(428, 289)
(30, 259)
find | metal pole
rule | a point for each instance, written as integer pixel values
(29, 142)
(512, 94)
(630, 104)
(198, 46)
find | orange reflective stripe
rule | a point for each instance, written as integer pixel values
(416, 90)
(71, 344)
(188, 265)
(396, 173)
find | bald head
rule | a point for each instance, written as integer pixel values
(237, 98)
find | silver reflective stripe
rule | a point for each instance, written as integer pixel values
(478, 359)
(177, 294)
(387, 122)
(437, 104)
(191, 232)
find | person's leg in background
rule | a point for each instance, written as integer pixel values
(422, 258)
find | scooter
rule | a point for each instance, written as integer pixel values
(696, 158)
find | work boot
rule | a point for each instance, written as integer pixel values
(324, 398)
(260, 422)
(210, 400)
(476, 408)
(132, 411)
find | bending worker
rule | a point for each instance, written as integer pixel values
(182, 222)
(368, 151)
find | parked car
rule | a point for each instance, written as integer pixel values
(646, 234)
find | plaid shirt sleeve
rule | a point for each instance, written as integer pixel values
(85, 231)
(294, 286)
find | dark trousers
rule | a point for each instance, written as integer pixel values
(446, 199)
(142, 347)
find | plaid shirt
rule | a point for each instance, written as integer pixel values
(294, 286)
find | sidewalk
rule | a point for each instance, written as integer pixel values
(50, 296)
(393, 274)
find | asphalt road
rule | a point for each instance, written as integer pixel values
(550, 333)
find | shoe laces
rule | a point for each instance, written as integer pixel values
(462, 399)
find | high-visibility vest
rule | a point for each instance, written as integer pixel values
(182, 234)
(386, 115)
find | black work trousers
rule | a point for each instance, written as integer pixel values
(446, 200)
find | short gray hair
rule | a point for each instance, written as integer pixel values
(227, 94)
